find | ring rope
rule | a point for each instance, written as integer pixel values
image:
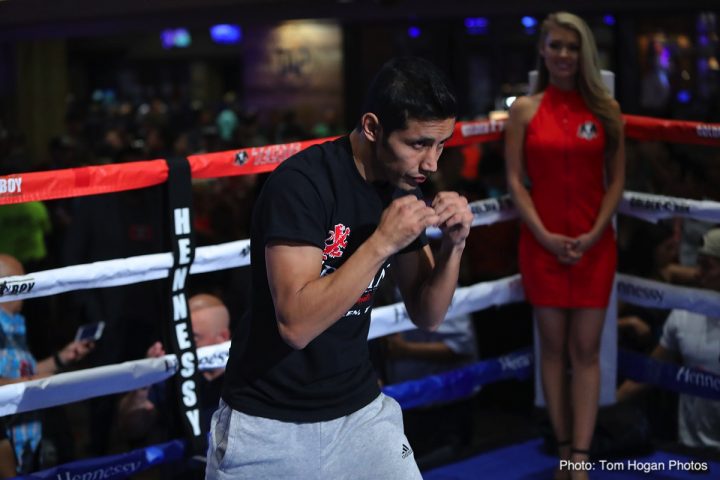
(77, 182)
(69, 387)
(112, 273)
(443, 387)
(454, 384)
(75, 386)
(122, 271)
(632, 289)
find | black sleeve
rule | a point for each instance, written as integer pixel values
(292, 209)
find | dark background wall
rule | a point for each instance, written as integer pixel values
(53, 52)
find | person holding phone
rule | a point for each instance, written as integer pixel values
(22, 432)
(145, 416)
(90, 331)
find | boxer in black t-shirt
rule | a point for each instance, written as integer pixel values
(301, 399)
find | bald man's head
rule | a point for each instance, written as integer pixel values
(10, 267)
(210, 320)
(202, 300)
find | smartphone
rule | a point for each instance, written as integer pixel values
(90, 331)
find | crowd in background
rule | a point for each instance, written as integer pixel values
(74, 231)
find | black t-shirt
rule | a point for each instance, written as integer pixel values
(319, 198)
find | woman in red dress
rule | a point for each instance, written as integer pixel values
(567, 138)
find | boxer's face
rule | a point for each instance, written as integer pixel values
(407, 157)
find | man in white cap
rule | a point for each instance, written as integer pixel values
(692, 339)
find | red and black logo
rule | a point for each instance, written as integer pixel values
(587, 130)
(336, 243)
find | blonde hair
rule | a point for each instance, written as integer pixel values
(589, 79)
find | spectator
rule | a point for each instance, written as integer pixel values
(7, 455)
(328, 125)
(249, 131)
(146, 412)
(651, 250)
(692, 339)
(289, 129)
(227, 120)
(17, 364)
(23, 227)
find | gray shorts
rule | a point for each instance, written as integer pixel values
(366, 445)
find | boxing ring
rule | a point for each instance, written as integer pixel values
(64, 388)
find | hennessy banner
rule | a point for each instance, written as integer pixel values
(179, 188)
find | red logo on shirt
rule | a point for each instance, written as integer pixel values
(336, 242)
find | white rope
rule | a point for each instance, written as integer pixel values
(143, 268)
(649, 293)
(394, 318)
(75, 386)
(123, 271)
(653, 208)
(70, 387)
(83, 384)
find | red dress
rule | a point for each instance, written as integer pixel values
(564, 156)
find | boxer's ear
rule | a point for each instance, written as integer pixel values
(370, 126)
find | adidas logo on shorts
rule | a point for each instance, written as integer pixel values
(406, 451)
